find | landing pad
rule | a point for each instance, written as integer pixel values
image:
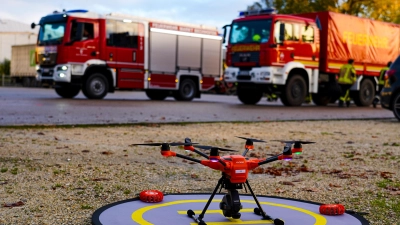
(173, 208)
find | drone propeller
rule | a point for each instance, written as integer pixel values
(250, 139)
(206, 147)
(297, 147)
(295, 142)
(166, 146)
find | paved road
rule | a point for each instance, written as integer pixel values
(37, 106)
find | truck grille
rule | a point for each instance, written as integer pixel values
(47, 59)
(243, 77)
(238, 57)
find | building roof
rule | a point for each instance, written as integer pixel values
(8, 26)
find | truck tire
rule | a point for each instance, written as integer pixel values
(321, 100)
(396, 106)
(366, 94)
(249, 96)
(295, 91)
(67, 92)
(95, 86)
(187, 90)
(156, 94)
(26, 82)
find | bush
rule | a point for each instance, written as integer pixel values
(5, 67)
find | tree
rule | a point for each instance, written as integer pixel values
(388, 11)
(5, 67)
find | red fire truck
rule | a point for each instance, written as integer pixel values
(80, 50)
(292, 56)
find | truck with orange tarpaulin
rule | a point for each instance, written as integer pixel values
(293, 56)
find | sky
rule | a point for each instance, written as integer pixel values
(215, 13)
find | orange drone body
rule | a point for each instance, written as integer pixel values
(236, 167)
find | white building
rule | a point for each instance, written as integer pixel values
(14, 33)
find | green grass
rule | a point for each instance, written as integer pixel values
(3, 170)
(86, 206)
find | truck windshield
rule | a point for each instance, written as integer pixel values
(51, 33)
(254, 31)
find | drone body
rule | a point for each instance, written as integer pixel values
(235, 170)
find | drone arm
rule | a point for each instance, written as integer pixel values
(200, 153)
(270, 159)
(188, 158)
(174, 154)
(191, 148)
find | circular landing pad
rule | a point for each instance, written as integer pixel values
(173, 208)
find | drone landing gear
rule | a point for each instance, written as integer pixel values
(230, 204)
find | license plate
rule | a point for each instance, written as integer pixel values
(244, 72)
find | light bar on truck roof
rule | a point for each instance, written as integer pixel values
(77, 11)
(258, 12)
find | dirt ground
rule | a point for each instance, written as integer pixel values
(61, 175)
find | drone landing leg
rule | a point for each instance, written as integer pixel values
(260, 211)
(199, 219)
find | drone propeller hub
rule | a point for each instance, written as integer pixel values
(165, 147)
(249, 147)
(189, 148)
(297, 151)
(168, 153)
(285, 157)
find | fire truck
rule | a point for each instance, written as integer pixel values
(294, 56)
(99, 54)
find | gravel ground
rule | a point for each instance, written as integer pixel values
(61, 175)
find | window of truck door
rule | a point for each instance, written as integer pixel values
(126, 42)
(84, 41)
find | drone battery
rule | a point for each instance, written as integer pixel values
(332, 209)
(151, 196)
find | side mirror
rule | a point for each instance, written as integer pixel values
(33, 25)
(281, 33)
(224, 38)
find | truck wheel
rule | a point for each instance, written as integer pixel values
(67, 92)
(366, 94)
(321, 100)
(187, 90)
(295, 91)
(156, 94)
(95, 86)
(249, 96)
(26, 82)
(396, 106)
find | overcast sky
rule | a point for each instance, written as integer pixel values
(208, 12)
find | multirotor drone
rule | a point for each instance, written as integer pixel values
(235, 170)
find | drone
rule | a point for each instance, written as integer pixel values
(235, 170)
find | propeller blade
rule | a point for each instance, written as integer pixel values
(251, 139)
(294, 142)
(171, 144)
(206, 147)
(150, 144)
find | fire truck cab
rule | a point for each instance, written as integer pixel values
(273, 54)
(80, 50)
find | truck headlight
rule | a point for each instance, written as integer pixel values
(63, 68)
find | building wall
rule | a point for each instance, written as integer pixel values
(8, 39)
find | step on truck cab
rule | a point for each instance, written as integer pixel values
(98, 54)
(295, 56)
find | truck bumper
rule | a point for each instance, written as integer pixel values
(59, 73)
(261, 75)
